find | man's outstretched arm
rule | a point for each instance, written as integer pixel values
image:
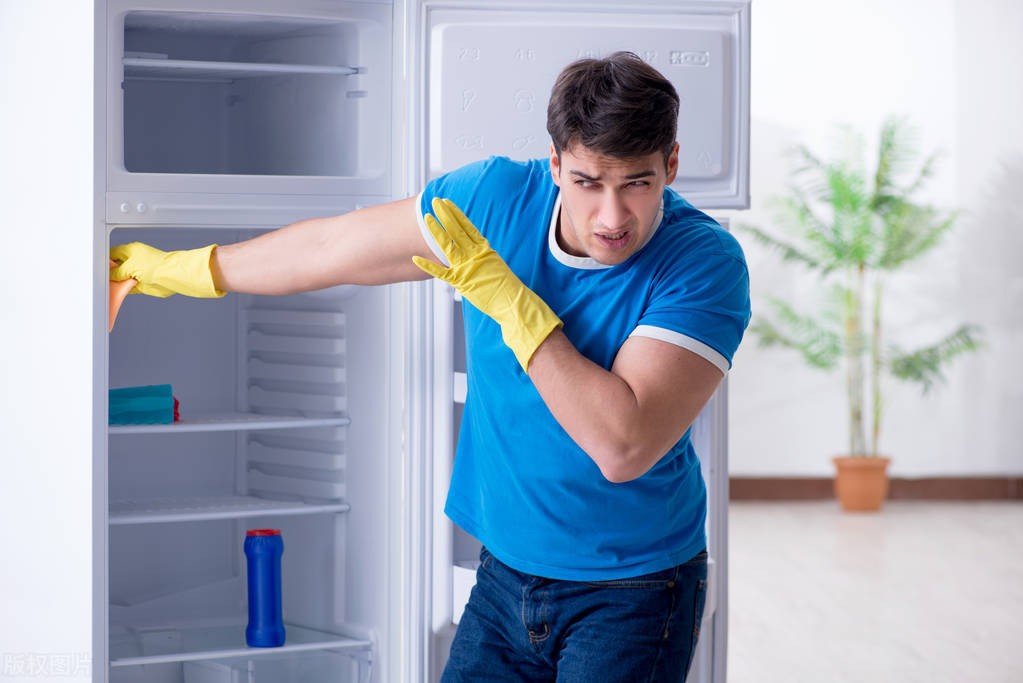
(370, 246)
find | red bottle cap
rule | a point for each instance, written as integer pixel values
(263, 532)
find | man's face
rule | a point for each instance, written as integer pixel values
(608, 205)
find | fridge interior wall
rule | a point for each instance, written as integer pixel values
(219, 356)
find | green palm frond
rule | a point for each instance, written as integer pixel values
(897, 153)
(828, 207)
(901, 155)
(848, 190)
(924, 366)
(788, 251)
(799, 215)
(910, 231)
(925, 173)
(820, 347)
(805, 162)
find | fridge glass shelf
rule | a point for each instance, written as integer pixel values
(137, 68)
(230, 422)
(134, 647)
(160, 510)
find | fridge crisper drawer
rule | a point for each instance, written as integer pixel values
(320, 667)
(254, 98)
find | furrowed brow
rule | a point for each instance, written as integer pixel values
(631, 176)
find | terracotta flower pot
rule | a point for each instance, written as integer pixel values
(861, 483)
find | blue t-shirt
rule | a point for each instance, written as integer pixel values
(520, 484)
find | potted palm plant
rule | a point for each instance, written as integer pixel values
(855, 225)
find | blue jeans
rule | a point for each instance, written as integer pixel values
(519, 627)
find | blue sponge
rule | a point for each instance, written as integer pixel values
(152, 404)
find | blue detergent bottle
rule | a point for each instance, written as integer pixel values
(263, 550)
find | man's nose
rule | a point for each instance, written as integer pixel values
(613, 213)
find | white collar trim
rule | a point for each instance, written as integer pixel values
(585, 262)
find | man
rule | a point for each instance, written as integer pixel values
(602, 311)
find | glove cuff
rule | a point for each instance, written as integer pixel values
(525, 335)
(189, 273)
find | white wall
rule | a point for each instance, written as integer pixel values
(954, 67)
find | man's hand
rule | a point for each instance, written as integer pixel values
(164, 273)
(485, 280)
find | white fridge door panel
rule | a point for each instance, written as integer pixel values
(490, 72)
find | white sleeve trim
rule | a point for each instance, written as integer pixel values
(427, 235)
(688, 343)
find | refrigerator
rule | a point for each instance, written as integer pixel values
(332, 415)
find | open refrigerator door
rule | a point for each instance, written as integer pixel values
(486, 69)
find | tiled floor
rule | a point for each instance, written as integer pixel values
(921, 592)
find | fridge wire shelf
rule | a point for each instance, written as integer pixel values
(142, 68)
(232, 422)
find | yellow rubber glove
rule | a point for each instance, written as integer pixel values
(486, 281)
(164, 273)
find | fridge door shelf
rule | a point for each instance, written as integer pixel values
(231, 422)
(135, 647)
(195, 509)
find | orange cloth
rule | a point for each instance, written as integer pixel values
(118, 290)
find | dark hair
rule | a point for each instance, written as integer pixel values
(618, 106)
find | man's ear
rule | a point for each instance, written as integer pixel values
(555, 166)
(672, 164)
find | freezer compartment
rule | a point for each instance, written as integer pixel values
(272, 108)
(245, 95)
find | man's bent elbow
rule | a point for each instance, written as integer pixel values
(624, 467)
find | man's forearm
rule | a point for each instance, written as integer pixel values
(625, 419)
